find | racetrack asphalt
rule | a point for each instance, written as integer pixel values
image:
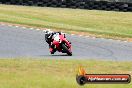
(27, 42)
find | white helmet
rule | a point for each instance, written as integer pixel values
(48, 31)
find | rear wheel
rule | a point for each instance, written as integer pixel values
(66, 50)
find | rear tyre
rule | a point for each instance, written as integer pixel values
(66, 50)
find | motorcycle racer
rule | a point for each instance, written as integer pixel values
(48, 38)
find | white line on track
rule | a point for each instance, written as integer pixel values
(31, 28)
(16, 26)
(87, 36)
(119, 40)
(10, 25)
(2, 24)
(93, 37)
(24, 27)
(37, 29)
(110, 39)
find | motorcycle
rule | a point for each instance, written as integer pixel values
(61, 44)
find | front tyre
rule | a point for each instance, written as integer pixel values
(66, 50)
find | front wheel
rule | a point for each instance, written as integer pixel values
(66, 50)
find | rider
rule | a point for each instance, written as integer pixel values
(48, 37)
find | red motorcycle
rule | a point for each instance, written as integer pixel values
(61, 44)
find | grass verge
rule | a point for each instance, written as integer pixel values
(51, 73)
(99, 23)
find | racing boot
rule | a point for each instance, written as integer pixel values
(52, 50)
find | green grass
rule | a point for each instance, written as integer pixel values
(106, 23)
(51, 73)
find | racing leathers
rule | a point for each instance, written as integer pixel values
(49, 40)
